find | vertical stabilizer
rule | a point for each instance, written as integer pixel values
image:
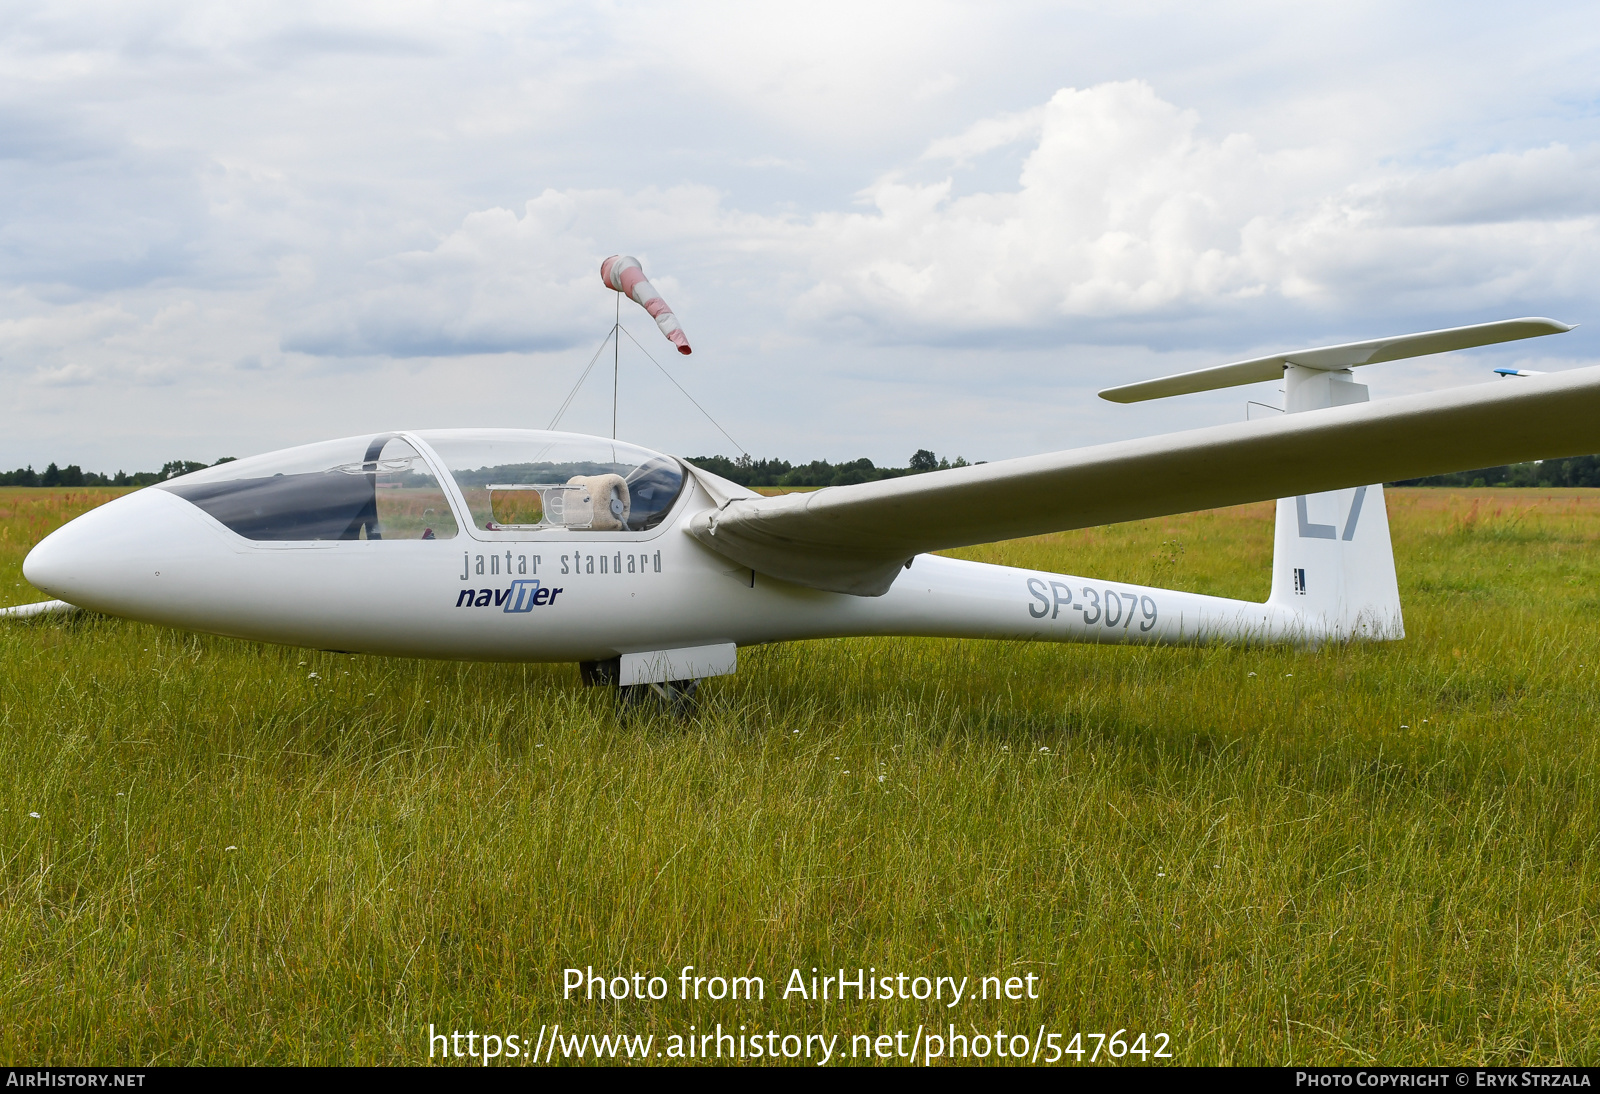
(1332, 562)
(1333, 565)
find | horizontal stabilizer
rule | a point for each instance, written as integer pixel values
(1331, 358)
(855, 539)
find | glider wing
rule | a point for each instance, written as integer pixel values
(855, 539)
(43, 607)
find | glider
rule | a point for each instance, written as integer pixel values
(524, 545)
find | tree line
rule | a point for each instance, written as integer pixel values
(752, 472)
(73, 475)
(1572, 471)
(746, 471)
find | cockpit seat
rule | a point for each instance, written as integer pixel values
(611, 503)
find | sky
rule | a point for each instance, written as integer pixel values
(888, 226)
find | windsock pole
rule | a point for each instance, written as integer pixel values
(616, 363)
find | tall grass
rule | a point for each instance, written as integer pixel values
(1358, 853)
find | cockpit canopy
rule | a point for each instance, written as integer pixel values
(522, 480)
(386, 486)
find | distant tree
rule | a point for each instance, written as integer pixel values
(815, 473)
(745, 470)
(173, 468)
(74, 475)
(848, 474)
(1572, 471)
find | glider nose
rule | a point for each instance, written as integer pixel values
(110, 558)
(54, 560)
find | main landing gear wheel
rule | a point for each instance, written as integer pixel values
(676, 698)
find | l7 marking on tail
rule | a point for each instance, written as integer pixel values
(1328, 531)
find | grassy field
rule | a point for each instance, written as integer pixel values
(1363, 853)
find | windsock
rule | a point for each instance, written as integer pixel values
(623, 274)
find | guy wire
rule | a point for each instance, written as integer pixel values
(573, 393)
(680, 387)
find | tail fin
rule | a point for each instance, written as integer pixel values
(1333, 565)
(1332, 562)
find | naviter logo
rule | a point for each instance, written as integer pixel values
(524, 595)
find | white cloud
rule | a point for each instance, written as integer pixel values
(987, 135)
(503, 282)
(863, 215)
(1122, 210)
(66, 376)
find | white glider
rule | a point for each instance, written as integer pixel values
(521, 545)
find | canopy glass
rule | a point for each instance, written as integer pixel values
(364, 488)
(517, 480)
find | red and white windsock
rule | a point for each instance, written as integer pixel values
(623, 274)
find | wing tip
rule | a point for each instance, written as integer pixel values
(1552, 326)
(1123, 394)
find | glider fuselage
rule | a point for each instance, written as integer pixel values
(560, 595)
